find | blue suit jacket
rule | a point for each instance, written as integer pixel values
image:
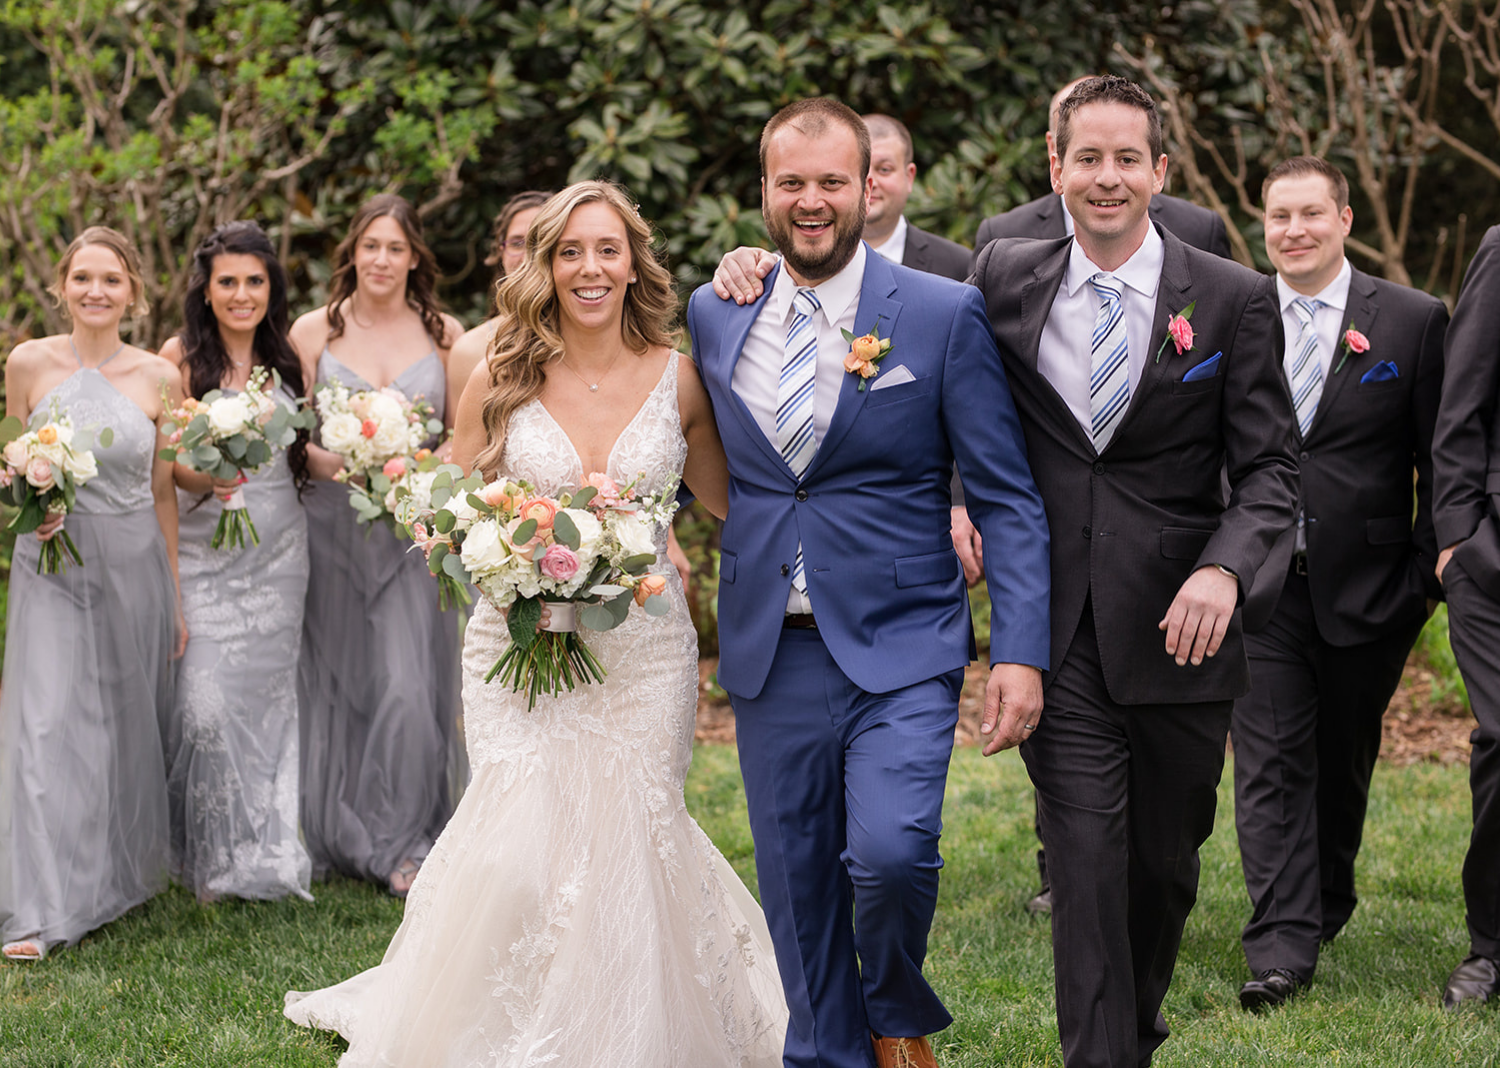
(872, 509)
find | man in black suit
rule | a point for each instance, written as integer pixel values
(1047, 216)
(1466, 493)
(893, 171)
(1345, 592)
(1132, 422)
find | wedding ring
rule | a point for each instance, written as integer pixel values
(1029, 727)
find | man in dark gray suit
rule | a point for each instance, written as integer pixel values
(1144, 371)
(1047, 216)
(1466, 493)
(893, 172)
(1333, 614)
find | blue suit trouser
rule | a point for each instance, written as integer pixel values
(845, 790)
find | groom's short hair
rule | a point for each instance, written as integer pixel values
(1107, 89)
(811, 117)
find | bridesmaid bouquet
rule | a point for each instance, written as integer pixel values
(370, 429)
(42, 472)
(230, 436)
(584, 552)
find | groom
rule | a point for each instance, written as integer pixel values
(843, 620)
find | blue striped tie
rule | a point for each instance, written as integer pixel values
(1109, 362)
(795, 436)
(1305, 370)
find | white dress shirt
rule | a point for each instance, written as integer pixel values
(758, 370)
(894, 248)
(1326, 320)
(1064, 356)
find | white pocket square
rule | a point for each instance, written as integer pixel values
(894, 377)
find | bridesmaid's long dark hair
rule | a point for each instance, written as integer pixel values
(202, 345)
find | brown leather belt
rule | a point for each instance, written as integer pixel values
(799, 621)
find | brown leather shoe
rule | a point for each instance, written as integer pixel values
(903, 1053)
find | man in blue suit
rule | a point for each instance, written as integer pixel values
(843, 619)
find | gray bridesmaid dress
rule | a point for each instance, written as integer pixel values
(232, 740)
(87, 688)
(378, 681)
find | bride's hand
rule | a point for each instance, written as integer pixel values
(541, 623)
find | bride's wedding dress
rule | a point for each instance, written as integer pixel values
(573, 913)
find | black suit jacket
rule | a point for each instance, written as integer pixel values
(1466, 445)
(1043, 218)
(1131, 524)
(1369, 566)
(935, 255)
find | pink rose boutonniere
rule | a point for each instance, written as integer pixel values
(1179, 332)
(865, 353)
(1354, 341)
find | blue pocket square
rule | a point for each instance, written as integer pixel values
(1207, 369)
(1384, 371)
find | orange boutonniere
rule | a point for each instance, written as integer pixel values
(1354, 341)
(865, 353)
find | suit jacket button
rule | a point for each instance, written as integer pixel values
(1087, 532)
(785, 570)
(801, 494)
(1099, 468)
(1304, 456)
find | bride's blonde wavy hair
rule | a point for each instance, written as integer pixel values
(528, 337)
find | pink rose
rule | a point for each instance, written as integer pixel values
(1181, 332)
(39, 474)
(608, 493)
(369, 428)
(1356, 341)
(394, 467)
(649, 586)
(174, 437)
(4, 478)
(559, 563)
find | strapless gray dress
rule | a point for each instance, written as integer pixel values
(378, 682)
(86, 692)
(232, 739)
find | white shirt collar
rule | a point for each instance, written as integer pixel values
(834, 294)
(1142, 272)
(894, 247)
(1335, 294)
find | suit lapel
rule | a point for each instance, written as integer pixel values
(1173, 294)
(1359, 313)
(878, 306)
(741, 319)
(1037, 297)
(915, 253)
(1050, 216)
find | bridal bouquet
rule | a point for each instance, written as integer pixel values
(370, 429)
(230, 436)
(584, 552)
(42, 472)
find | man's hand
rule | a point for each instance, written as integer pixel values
(969, 545)
(1012, 706)
(739, 274)
(1199, 615)
(1442, 564)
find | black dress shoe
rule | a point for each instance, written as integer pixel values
(1272, 987)
(1476, 979)
(1041, 905)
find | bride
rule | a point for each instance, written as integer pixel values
(572, 913)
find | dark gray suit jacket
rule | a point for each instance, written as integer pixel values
(1370, 568)
(935, 255)
(1131, 524)
(1043, 218)
(1466, 446)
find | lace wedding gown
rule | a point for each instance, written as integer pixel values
(573, 913)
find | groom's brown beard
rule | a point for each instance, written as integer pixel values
(847, 231)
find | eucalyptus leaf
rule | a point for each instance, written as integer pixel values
(524, 533)
(10, 429)
(583, 496)
(478, 503)
(565, 531)
(657, 605)
(236, 446)
(634, 565)
(596, 617)
(435, 560)
(106, 437)
(605, 589)
(441, 495)
(443, 521)
(454, 566)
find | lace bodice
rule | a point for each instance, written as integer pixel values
(124, 480)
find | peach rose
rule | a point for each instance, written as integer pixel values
(47, 435)
(394, 467)
(649, 586)
(369, 428)
(865, 348)
(495, 495)
(1181, 332)
(542, 510)
(422, 454)
(39, 474)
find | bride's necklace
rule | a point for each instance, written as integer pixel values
(593, 386)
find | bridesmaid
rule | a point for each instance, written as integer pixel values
(232, 738)
(88, 673)
(378, 679)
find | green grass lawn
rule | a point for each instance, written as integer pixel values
(175, 983)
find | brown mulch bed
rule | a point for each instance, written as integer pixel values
(1417, 727)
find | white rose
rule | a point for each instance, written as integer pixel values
(590, 536)
(420, 485)
(341, 433)
(391, 439)
(229, 415)
(81, 466)
(485, 551)
(635, 533)
(16, 453)
(53, 454)
(464, 512)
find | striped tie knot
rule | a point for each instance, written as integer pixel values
(1306, 309)
(805, 302)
